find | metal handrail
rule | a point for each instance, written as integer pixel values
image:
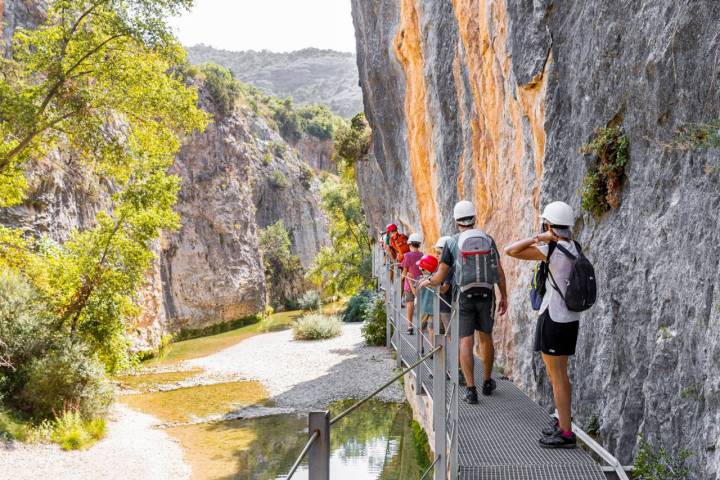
(429, 469)
(313, 437)
(383, 387)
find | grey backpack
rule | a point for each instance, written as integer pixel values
(476, 260)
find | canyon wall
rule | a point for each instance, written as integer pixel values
(492, 101)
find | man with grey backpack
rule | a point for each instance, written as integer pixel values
(473, 255)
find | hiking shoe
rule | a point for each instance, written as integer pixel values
(470, 396)
(552, 428)
(410, 331)
(558, 440)
(489, 386)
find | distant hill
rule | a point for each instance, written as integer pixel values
(308, 76)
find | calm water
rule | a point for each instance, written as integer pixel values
(375, 442)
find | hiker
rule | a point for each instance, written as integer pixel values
(397, 242)
(556, 330)
(410, 273)
(476, 262)
(428, 265)
(445, 289)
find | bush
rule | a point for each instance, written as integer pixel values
(221, 85)
(72, 432)
(603, 182)
(310, 300)
(373, 331)
(660, 465)
(65, 378)
(279, 180)
(316, 326)
(354, 310)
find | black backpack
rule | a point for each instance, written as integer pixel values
(581, 292)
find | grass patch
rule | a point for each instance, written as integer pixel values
(190, 333)
(204, 346)
(72, 432)
(185, 404)
(317, 326)
(602, 184)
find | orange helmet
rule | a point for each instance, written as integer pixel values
(428, 263)
(391, 228)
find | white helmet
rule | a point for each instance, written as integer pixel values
(415, 238)
(442, 241)
(559, 213)
(464, 209)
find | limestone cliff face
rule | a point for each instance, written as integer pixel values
(491, 101)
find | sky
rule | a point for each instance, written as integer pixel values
(275, 25)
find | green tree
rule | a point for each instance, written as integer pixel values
(352, 142)
(277, 257)
(222, 86)
(93, 78)
(344, 267)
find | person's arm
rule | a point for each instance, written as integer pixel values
(436, 278)
(502, 285)
(444, 288)
(526, 249)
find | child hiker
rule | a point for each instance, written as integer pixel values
(410, 273)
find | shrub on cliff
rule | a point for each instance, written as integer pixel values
(603, 181)
(658, 464)
(316, 326)
(222, 86)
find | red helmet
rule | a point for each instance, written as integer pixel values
(391, 228)
(428, 263)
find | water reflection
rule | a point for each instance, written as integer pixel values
(375, 442)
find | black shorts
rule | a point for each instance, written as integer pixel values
(476, 310)
(555, 338)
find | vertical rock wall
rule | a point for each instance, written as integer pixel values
(491, 101)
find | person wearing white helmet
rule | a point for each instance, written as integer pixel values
(410, 272)
(473, 258)
(556, 330)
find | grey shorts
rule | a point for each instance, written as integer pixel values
(408, 297)
(476, 310)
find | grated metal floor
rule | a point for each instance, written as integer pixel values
(498, 437)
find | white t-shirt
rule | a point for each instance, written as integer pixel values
(560, 266)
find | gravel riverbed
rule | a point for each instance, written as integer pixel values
(299, 376)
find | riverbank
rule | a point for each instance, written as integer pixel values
(278, 376)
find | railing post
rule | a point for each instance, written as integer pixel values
(454, 351)
(419, 345)
(397, 291)
(439, 393)
(319, 455)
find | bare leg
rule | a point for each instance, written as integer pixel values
(409, 307)
(467, 360)
(487, 350)
(562, 389)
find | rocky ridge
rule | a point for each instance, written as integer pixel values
(492, 101)
(308, 76)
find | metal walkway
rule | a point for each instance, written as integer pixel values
(498, 437)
